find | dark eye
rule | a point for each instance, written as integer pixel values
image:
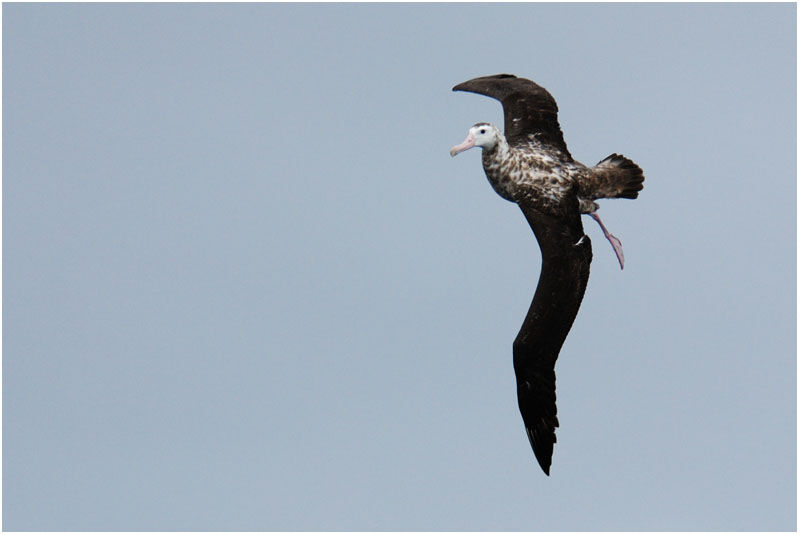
(483, 130)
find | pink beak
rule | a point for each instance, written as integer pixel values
(468, 143)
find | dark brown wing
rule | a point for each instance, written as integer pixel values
(566, 256)
(527, 108)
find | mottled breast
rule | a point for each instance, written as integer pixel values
(529, 174)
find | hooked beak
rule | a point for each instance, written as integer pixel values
(468, 143)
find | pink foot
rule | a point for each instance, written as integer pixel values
(616, 244)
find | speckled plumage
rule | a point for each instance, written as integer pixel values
(531, 172)
(544, 176)
(531, 166)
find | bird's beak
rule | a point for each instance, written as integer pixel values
(468, 143)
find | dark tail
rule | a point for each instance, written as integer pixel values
(617, 177)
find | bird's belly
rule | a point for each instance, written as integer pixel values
(533, 185)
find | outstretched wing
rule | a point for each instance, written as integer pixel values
(527, 108)
(566, 256)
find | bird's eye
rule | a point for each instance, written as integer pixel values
(483, 130)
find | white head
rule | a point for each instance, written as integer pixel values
(483, 134)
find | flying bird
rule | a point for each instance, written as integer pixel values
(530, 165)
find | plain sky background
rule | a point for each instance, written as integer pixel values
(246, 287)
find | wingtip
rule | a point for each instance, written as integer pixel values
(543, 455)
(545, 468)
(464, 86)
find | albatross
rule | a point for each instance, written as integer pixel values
(530, 165)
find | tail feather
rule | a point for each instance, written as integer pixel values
(615, 177)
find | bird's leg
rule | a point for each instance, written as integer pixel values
(615, 243)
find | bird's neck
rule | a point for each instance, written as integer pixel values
(497, 161)
(499, 152)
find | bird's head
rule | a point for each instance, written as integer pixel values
(483, 134)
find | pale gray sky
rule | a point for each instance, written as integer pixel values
(246, 287)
